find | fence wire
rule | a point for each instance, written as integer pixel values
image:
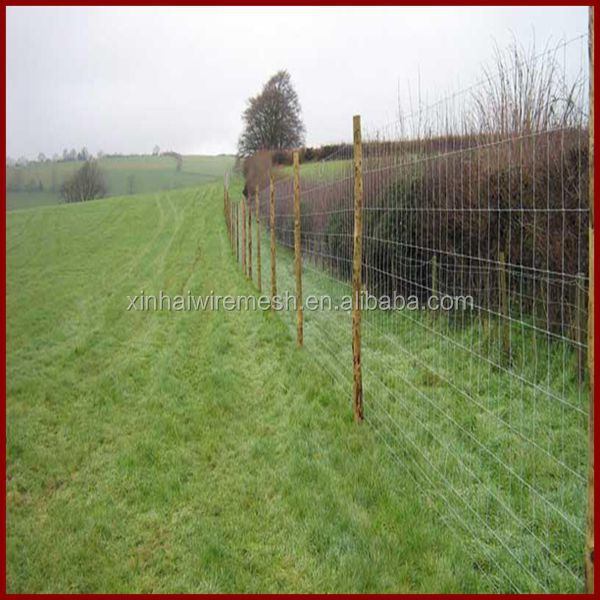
(482, 196)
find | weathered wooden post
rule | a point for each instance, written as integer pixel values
(249, 236)
(237, 234)
(356, 272)
(226, 211)
(434, 281)
(243, 205)
(504, 309)
(258, 267)
(589, 546)
(580, 325)
(229, 223)
(298, 251)
(230, 209)
(272, 223)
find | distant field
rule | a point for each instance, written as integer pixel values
(124, 175)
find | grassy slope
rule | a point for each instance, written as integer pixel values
(186, 452)
(150, 173)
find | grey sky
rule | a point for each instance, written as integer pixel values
(125, 79)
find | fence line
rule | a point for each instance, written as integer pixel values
(258, 236)
(489, 409)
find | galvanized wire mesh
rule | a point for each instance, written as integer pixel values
(482, 196)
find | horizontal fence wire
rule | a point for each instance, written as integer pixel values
(481, 198)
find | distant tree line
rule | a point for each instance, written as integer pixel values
(86, 183)
(73, 155)
(67, 156)
(84, 154)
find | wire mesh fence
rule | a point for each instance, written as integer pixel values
(480, 201)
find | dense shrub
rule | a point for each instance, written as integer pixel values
(525, 198)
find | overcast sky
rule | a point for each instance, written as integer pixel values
(125, 79)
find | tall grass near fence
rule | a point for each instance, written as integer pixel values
(483, 195)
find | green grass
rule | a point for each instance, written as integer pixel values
(142, 174)
(496, 446)
(319, 170)
(203, 452)
(188, 451)
(17, 200)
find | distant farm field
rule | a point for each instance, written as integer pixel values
(38, 184)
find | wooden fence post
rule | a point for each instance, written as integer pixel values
(229, 230)
(272, 223)
(243, 205)
(580, 325)
(589, 546)
(225, 207)
(226, 211)
(230, 209)
(237, 234)
(434, 280)
(249, 236)
(504, 309)
(356, 271)
(298, 250)
(258, 267)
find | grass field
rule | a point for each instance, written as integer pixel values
(187, 451)
(497, 449)
(202, 452)
(124, 175)
(502, 466)
(318, 170)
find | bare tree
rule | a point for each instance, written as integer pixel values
(273, 118)
(86, 184)
(156, 150)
